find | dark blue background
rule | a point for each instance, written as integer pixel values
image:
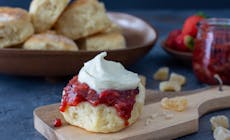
(144, 4)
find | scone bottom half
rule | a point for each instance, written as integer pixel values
(109, 111)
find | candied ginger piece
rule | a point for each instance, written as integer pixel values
(180, 79)
(177, 104)
(161, 74)
(220, 120)
(221, 133)
(169, 86)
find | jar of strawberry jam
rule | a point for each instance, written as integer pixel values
(212, 51)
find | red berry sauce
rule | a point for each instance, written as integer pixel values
(122, 101)
(57, 122)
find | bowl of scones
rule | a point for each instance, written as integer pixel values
(55, 38)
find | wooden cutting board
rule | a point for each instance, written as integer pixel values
(182, 123)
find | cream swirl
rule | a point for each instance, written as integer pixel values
(101, 74)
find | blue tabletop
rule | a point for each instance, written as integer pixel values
(21, 95)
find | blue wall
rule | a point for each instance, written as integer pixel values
(167, 4)
(144, 4)
(15, 3)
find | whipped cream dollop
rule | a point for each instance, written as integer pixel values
(101, 74)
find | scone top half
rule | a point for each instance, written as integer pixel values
(15, 26)
(104, 97)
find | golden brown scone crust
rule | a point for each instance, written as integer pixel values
(50, 41)
(113, 28)
(103, 41)
(44, 13)
(102, 118)
(83, 18)
(15, 26)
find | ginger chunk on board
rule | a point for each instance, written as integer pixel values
(177, 104)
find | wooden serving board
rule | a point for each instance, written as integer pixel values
(182, 123)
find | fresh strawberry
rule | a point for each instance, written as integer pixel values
(184, 43)
(171, 39)
(190, 25)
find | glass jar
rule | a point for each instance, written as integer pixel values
(212, 51)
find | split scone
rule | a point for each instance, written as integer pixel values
(50, 41)
(83, 18)
(104, 97)
(103, 41)
(15, 26)
(44, 13)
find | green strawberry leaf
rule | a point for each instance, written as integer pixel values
(202, 14)
(189, 42)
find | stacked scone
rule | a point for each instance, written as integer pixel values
(15, 26)
(104, 97)
(58, 25)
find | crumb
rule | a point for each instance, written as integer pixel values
(143, 80)
(155, 115)
(148, 121)
(169, 116)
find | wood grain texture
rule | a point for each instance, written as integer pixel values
(181, 124)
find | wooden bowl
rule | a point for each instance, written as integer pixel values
(185, 57)
(140, 37)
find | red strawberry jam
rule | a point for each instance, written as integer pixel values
(77, 92)
(57, 122)
(212, 51)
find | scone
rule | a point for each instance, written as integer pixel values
(44, 13)
(113, 28)
(50, 41)
(104, 97)
(15, 26)
(103, 41)
(83, 18)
